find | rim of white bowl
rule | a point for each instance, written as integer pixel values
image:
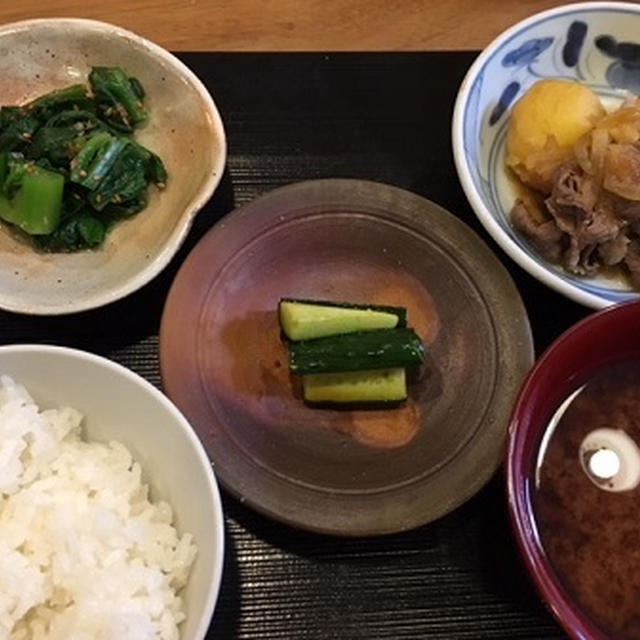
(218, 554)
(218, 156)
(507, 244)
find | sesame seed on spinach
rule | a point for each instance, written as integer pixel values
(69, 166)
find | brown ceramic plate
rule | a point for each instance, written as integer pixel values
(345, 471)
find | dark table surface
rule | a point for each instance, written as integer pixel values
(383, 117)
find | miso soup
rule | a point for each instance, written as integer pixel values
(586, 498)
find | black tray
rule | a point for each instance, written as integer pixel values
(383, 117)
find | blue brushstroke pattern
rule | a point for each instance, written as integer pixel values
(624, 73)
(527, 52)
(622, 77)
(471, 133)
(628, 53)
(509, 93)
(575, 39)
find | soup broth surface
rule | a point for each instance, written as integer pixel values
(586, 498)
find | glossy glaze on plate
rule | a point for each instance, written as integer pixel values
(345, 471)
(578, 42)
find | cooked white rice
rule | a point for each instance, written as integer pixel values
(84, 554)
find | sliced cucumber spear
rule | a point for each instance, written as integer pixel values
(380, 385)
(362, 350)
(307, 319)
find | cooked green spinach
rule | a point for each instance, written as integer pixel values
(69, 166)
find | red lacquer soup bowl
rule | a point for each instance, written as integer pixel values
(575, 520)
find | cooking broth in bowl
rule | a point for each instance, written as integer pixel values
(586, 498)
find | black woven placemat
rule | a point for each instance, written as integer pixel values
(383, 117)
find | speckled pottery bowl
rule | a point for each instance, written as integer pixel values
(595, 43)
(184, 128)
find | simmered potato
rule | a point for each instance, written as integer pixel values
(544, 126)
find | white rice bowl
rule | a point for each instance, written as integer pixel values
(84, 553)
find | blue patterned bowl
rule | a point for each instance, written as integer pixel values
(595, 43)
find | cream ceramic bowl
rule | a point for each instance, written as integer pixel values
(117, 404)
(184, 128)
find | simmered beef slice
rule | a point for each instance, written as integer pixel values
(581, 258)
(588, 217)
(602, 224)
(632, 260)
(613, 251)
(627, 210)
(587, 222)
(573, 197)
(545, 237)
(600, 240)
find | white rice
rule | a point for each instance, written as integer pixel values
(84, 553)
